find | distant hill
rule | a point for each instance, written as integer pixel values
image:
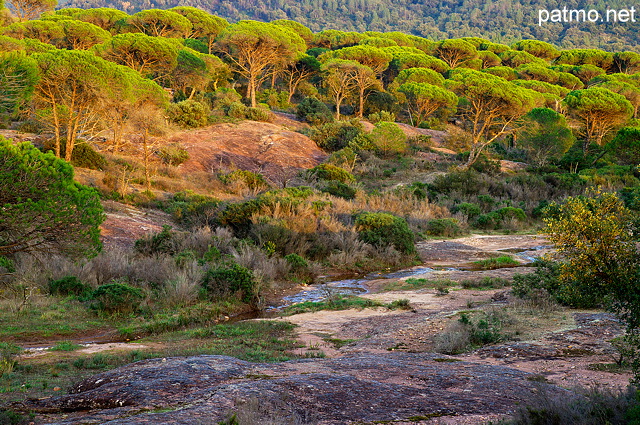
(502, 21)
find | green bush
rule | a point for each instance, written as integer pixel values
(468, 209)
(117, 299)
(389, 138)
(232, 280)
(68, 285)
(296, 261)
(383, 229)
(258, 114)
(237, 110)
(253, 181)
(332, 172)
(376, 117)
(496, 263)
(83, 155)
(333, 136)
(340, 190)
(447, 227)
(161, 242)
(188, 114)
(313, 111)
(173, 154)
(193, 210)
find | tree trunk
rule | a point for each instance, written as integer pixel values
(361, 105)
(147, 179)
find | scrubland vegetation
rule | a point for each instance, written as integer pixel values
(424, 139)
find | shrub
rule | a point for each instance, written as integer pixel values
(258, 114)
(193, 210)
(274, 98)
(314, 111)
(232, 280)
(68, 285)
(188, 114)
(296, 261)
(333, 136)
(117, 298)
(340, 190)
(496, 263)
(468, 209)
(83, 155)
(447, 227)
(173, 154)
(161, 242)
(389, 138)
(8, 353)
(237, 110)
(332, 172)
(376, 117)
(254, 181)
(383, 229)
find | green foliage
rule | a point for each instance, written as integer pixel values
(188, 114)
(313, 111)
(594, 235)
(192, 210)
(296, 262)
(339, 189)
(258, 114)
(331, 172)
(447, 227)
(496, 263)
(383, 229)
(69, 285)
(117, 299)
(156, 243)
(43, 208)
(468, 209)
(253, 181)
(334, 136)
(232, 280)
(173, 154)
(389, 138)
(546, 136)
(625, 146)
(18, 77)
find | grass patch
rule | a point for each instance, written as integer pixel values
(343, 303)
(257, 341)
(496, 263)
(485, 283)
(419, 283)
(65, 346)
(339, 343)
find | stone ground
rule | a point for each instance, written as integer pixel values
(378, 365)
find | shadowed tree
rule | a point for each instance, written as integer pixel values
(300, 71)
(600, 111)
(545, 135)
(596, 57)
(254, 49)
(18, 76)
(26, 10)
(43, 209)
(491, 106)
(626, 62)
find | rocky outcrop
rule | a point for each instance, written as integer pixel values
(270, 149)
(349, 389)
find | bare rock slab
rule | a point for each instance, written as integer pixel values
(351, 389)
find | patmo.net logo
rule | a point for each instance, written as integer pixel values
(566, 15)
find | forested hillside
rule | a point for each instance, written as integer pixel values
(502, 21)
